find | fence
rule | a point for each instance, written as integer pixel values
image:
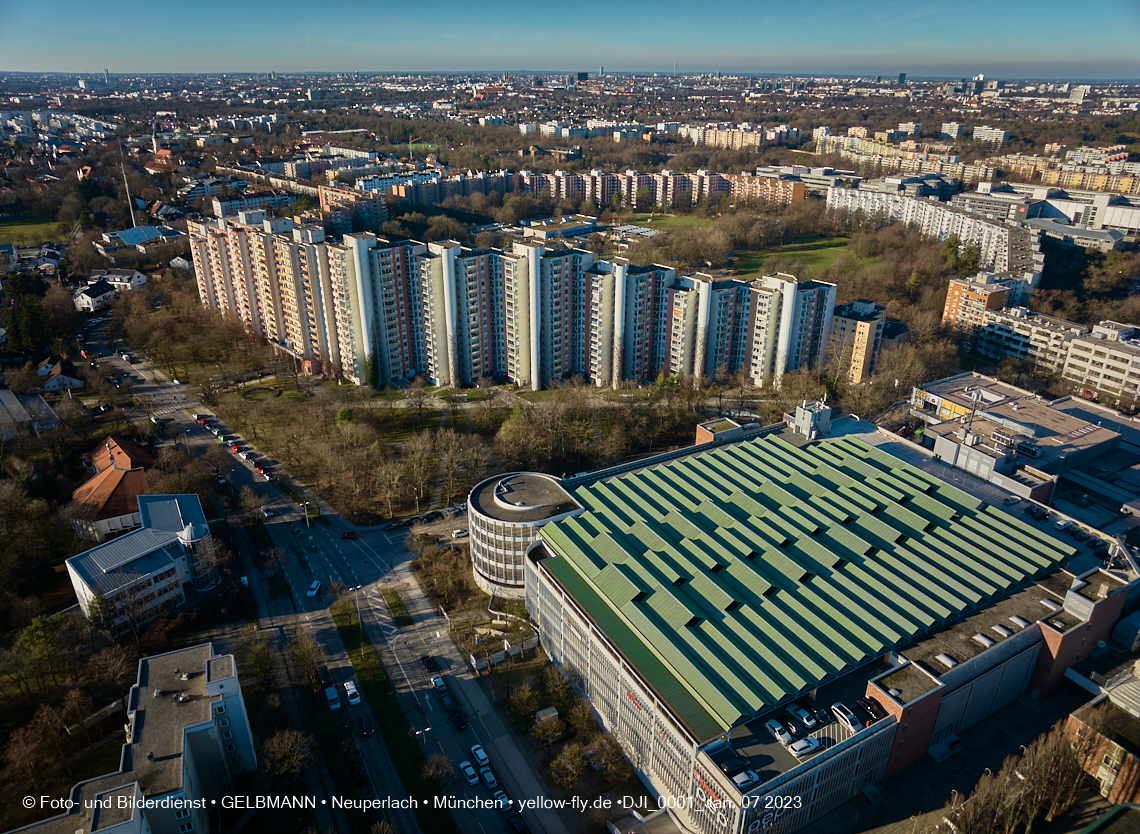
(478, 664)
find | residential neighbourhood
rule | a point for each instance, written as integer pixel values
(723, 439)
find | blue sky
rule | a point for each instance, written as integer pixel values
(1001, 38)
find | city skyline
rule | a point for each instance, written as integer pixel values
(877, 39)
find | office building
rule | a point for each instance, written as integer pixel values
(699, 595)
(1006, 435)
(188, 741)
(505, 514)
(142, 573)
(856, 337)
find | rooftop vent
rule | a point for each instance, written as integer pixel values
(1052, 606)
(150, 756)
(946, 660)
(184, 676)
(1002, 630)
(158, 693)
(985, 641)
(1058, 624)
(1020, 622)
(895, 693)
(183, 697)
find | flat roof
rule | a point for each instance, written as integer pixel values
(153, 757)
(522, 497)
(736, 578)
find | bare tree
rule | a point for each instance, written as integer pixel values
(569, 766)
(546, 732)
(287, 754)
(421, 464)
(305, 655)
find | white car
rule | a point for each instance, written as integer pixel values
(1009, 502)
(502, 801)
(778, 731)
(469, 772)
(461, 533)
(480, 755)
(845, 716)
(1063, 524)
(802, 715)
(745, 780)
(439, 683)
(351, 692)
(314, 589)
(806, 745)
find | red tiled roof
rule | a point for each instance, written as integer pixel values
(111, 493)
(127, 454)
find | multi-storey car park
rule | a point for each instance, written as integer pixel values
(699, 595)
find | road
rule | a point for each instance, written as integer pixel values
(373, 561)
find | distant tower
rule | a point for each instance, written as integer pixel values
(902, 78)
(106, 77)
(601, 72)
(674, 69)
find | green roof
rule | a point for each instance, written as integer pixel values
(735, 578)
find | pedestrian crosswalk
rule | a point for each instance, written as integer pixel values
(381, 612)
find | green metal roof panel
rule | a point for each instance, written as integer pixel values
(737, 577)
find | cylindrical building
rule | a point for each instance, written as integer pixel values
(505, 514)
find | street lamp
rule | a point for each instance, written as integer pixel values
(423, 733)
(303, 505)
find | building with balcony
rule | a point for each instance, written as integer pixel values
(857, 337)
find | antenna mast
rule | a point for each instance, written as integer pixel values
(130, 202)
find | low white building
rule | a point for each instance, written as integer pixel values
(146, 571)
(120, 280)
(94, 297)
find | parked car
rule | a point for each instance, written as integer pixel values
(1080, 535)
(480, 755)
(268, 513)
(448, 704)
(502, 801)
(1009, 502)
(489, 777)
(1063, 524)
(351, 691)
(458, 719)
(314, 589)
(516, 824)
(325, 675)
(804, 746)
(439, 683)
(800, 714)
(333, 697)
(469, 772)
(428, 662)
(745, 780)
(845, 716)
(367, 728)
(461, 533)
(778, 731)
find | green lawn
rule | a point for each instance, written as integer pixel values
(396, 606)
(538, 396)
(21, 229)
(665, 222)
(818, 254)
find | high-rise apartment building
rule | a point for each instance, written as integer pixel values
(968, 300)
(791, 325)
(953, 130)
(856, 336)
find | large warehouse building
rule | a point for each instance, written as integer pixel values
(695, 599)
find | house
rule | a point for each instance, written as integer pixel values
(119, 279)
(138, 238)
(108, 503)
(57, 374)
(24, 413)
(142, 573)
(187, 739)
(94, 297)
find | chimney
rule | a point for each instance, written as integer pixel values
(1102, 591)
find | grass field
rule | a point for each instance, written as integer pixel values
(21, 229)
(666, 222)
(818, 254)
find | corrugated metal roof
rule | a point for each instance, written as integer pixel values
(739, 577)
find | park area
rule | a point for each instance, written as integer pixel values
(27, 231)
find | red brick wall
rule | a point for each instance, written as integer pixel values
(1063, 650)
(915, 725)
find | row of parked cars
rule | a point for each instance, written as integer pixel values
(480, 772)
(234, 444)
(1068, 527)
